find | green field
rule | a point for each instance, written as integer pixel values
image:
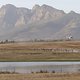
(34, 51)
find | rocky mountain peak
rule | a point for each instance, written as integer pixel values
(8, 6)
(47, 6)
(72, 12)
(39, 22)
(36, 6)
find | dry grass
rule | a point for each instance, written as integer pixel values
(26, 45)
(21, 52)
(41, 76)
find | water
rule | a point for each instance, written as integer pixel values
(28, 67)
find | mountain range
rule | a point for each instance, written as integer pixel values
(40, 22)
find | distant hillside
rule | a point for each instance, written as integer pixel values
(40, 22)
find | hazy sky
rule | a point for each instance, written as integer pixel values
(66, 5)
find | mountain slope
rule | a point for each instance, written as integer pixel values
(40, 22)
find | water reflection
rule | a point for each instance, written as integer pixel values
(28, 67)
